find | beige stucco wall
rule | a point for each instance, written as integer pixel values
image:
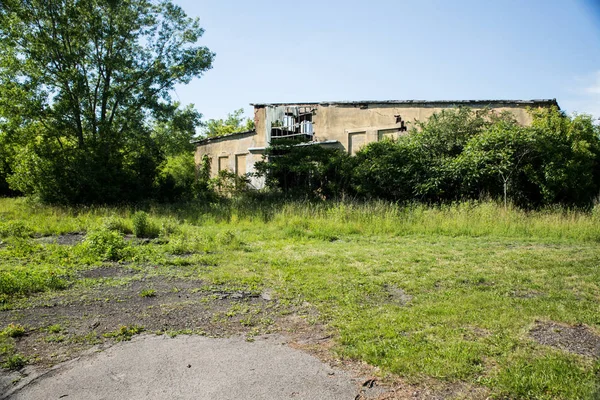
(224, 152)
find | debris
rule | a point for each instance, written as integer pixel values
(369, 383)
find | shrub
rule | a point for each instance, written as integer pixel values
(143, 227)
(105, 245)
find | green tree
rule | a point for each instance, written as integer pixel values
(493, 160)
(82, 83)
(566, 168)
(235, 122)
(306, 170)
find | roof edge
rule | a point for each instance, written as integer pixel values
(545, 102)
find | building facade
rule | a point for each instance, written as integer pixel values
(348, 125)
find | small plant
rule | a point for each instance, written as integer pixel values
(105, 244)
(148, 293)
(227, 238)
(56, 328)
(118, 224)
(143, 227)
(90, 338)
(55, 338)
(124, 333)
(14, 330)
(14, 362)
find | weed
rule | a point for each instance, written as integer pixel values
(148, 293)
(105, 245)
(124, 333)
(56, 328)
(114, 223)
(90, 338)
(55, 338)
(15, 229)
(143, 227)
(14, 330)
(14, 362)
(462, 265)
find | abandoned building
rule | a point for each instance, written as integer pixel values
(348, 125)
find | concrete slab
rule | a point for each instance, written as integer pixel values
(191, 367)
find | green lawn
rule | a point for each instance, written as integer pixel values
(446, 293)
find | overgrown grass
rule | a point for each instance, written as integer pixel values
(447, 292)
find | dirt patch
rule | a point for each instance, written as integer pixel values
(68, 239)
(159, 305)
(398, 295)
(525, 294)
(113, 271)
(578, 339)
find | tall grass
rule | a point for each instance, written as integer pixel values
(328, 218)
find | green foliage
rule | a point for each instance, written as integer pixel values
(143, 226)
(115, 223)
(479, 276)
(464, 154)
(14, 362)
(23, 281)
(148, 293)
(105, 245)
(229, 183)
(13, 330)
(306, 170)
(235, 122)
(176, 179)
(16, 229)
(56, 328)
(90, 118)
(124, 333)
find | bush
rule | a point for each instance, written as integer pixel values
(105, 245)
(143, 227)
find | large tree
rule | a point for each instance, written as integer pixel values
(82, 83)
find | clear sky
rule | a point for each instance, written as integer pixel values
(292, 51)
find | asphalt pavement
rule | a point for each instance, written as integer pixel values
(190, 367)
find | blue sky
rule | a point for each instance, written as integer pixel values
(288, 51)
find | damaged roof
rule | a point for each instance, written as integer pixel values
(430, 103)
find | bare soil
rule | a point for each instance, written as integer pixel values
(578, 339)
(176, 305)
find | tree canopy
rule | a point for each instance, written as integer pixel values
(235, 122)
(83, 84)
